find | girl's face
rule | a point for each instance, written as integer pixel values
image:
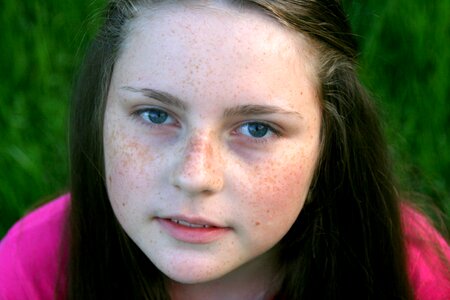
(211, 137)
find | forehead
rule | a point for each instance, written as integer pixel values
(209, 23)
(214, 47)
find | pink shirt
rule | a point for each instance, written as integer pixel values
(29, 255)
(428, 257)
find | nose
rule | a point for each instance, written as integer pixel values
(199, 168)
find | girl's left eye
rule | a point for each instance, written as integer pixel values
(256, 130)
(155, 116)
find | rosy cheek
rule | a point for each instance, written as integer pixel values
(126, 159)
(277, 191)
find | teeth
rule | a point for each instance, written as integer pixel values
(184, 223)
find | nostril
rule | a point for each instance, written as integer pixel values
(198, 180)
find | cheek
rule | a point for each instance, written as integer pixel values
(126, 162)
(276, 192)
(284, 189)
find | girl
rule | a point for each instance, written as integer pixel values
(224, 150)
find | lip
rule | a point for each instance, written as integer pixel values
(192, 230)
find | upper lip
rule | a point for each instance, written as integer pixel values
(192, 220)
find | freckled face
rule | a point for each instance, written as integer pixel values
(211, 138)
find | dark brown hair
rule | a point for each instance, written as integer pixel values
(347, 242)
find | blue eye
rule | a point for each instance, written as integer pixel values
(256, 129)
(155, 116)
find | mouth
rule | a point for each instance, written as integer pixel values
(192, 230)
(192, 225)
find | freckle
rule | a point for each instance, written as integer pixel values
(257, 223)
(123, 204)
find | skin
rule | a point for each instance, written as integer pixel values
(202, 160)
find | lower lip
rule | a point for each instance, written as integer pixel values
(190, 234)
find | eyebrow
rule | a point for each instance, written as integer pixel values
(256, 109)
(237, 111)
(160, 96)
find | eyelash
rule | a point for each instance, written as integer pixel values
(139, 114)
(263, 139)
(269, 134)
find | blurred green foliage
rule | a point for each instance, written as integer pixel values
(41, 45)
(404, 62)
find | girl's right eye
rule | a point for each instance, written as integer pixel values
(155, 116)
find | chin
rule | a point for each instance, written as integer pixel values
(193, 276)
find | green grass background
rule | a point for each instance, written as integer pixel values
(404, 62)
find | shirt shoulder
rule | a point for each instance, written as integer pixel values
(31, 254)
(428, 257)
